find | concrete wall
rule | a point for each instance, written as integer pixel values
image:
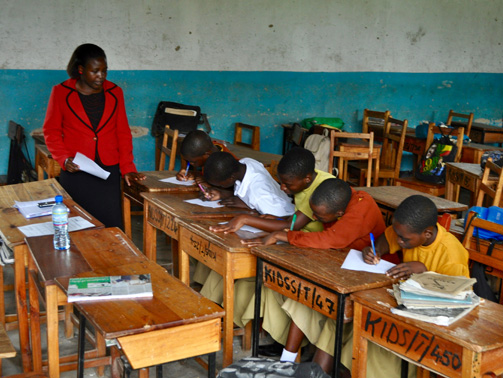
(259, 62)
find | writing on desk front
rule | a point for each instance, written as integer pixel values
(412, 342)
(300, 290)
(203, 247)
(163, 221)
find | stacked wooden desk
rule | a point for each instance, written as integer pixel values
(314, 278)
(10, 220)
(44, 163)
(389, 197)
(471, 347)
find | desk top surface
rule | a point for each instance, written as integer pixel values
(480, 330)
(230, 242)
(11, 218)
(173, 304)
(322, 266)
(470, 168)
(152, 183)
(392, 196)
(89, 250)
(174, 204)
(265, 158)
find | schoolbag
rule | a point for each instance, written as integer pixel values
(432, 165)
(496, 155)
(319, 145)
(184, 118)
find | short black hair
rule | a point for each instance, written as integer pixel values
(196, 144)
(416, 212)
(81, 56)
(334, 194)
(219, 167)
(298, 162)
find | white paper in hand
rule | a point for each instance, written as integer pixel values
(87, 165)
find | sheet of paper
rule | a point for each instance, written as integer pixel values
(173, 180)
(46, 228)
(30, 209)
(247, 228)
(354, 261)
(89, 166)
(200, 202)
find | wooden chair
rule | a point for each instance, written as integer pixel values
(426, 187)
(168, 149)
(255, 137)
(391, 154)
(362, 148)
(494, 261)
(273, 170)
(296, 137)
(468, 117)
(372, 116)
(490, 188)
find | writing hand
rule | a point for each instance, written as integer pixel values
(369, 257)
(180, 176)
(136, 176)
(211, 194)
(404, 270)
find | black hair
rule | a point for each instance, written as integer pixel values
(219, 167)
(298, 162)
(416, 212)
(334, 194)
(196, 144)
(81, 56)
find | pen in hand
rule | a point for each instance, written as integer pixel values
(294, 218)
(186, 170)
(372, 241)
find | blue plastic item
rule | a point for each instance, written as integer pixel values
(493, 214)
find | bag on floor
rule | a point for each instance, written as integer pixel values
(432, 165)
(496, 155)
(319, 145)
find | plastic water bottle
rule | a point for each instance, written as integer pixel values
(60, 222)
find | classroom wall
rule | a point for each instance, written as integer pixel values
(260, 62)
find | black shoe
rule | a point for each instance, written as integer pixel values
(270, 350)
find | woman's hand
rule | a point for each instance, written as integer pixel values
(404, 270)
(136, 176)
(369, 257)
(70, 166)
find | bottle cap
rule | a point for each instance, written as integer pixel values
(58, 199)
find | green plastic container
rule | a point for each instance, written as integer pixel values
(325, 121)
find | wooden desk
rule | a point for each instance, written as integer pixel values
(163, 211)
(314, 278)
(90, 250)
(483, 133)
(10, 220)
(464, 175)
(151, 184)
(389, 197)
(176, 323)
(471, 347)
(45, 163)
(223, 253)
(265, 158)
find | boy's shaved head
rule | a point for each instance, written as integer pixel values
(417, 212)
(196, 144)
(334, 194)
(298, 162)
(219, 167)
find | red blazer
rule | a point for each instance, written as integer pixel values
(67, 129)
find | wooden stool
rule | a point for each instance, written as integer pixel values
(45, 163)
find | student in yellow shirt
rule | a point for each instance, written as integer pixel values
(426, 246)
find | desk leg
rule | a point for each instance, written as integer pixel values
(449, 189)
(184, 266)
(256, 314)
(36, 340)
(212, 365)
(20, 254)
(338, 334)
(81, 345)
(51, 299)
(149, 235)
(229, 315)
(2, 297)
(360, 344)
(126, 215)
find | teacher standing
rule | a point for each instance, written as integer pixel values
(86, 114)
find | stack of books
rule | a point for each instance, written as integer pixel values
(435, 298)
